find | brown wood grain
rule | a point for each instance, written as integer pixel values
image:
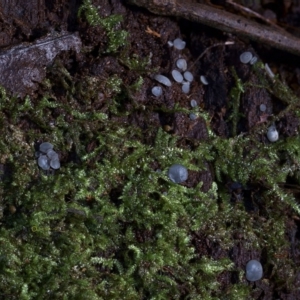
(223, 20)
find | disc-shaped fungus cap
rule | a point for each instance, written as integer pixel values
(193, 103)
(179, 44)
(272, 134)
(204, 80)
(254, 270)
(43, 162)
(156, 91)
(55, 163)
(47, 157)
(44, 147)
(186, 87)
(177, 76)
(178, 173)
(246, 57)
(163, 79)
(51, 154)
(181, 64)
(188, 76)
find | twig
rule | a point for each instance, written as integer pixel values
(207, 49)
(224, 21)
(254, 14)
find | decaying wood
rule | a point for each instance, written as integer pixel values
(224, 21)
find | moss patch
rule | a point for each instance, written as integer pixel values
(110, 224)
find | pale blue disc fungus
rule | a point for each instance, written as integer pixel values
(188, 76)
(193, 116)
(253, 60)
(55, 164)
(170, 44)
(262, 107)
(156, 91)
(51, 154)
(177, 76)
(186, 87)
(178, 173)
(163, 80)
(204, 80)
(246, 57)
(44, 147)
(43, 162)
(179, 44)
(254, 270)
(181, 64)
(47, 157)
(193, 103)
(272, 134)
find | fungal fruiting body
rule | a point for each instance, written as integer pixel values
(188, 76)
(193, 103)
(181, 64)
(204, 80)
(272, 134)
(170, 44)
(47, 157)
(179, 44)
(246, 57)
(43, 162)
(178, 173)
(253, 60)
(177, 76)
(254, 270)
(193, 116)
(156, 91)
(186, 87)
(44, 147)
(163, 80)
(262, 107)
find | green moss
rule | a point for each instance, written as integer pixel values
(96, 248)
(108, 224)
(117, 38)
(134, 62)
(235, 97)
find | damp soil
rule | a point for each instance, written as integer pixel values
(24, 25)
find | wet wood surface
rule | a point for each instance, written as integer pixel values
(225, 21)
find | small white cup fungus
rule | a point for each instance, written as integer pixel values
(188, 76)
(253, 60)
(181, 64)
(51, 154)
(179, 44)
(163, 80)
(262, 107)
(55, 164)
(178, 173)
(170, 44)
(156, 91)
(44, 147)
(43, 162)
(272, 134)
(193, 103)
(246, 57)
(254, 270)
(177, 76)
(47, 157)
(186, 87)
(193, 116)
(204, 80)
